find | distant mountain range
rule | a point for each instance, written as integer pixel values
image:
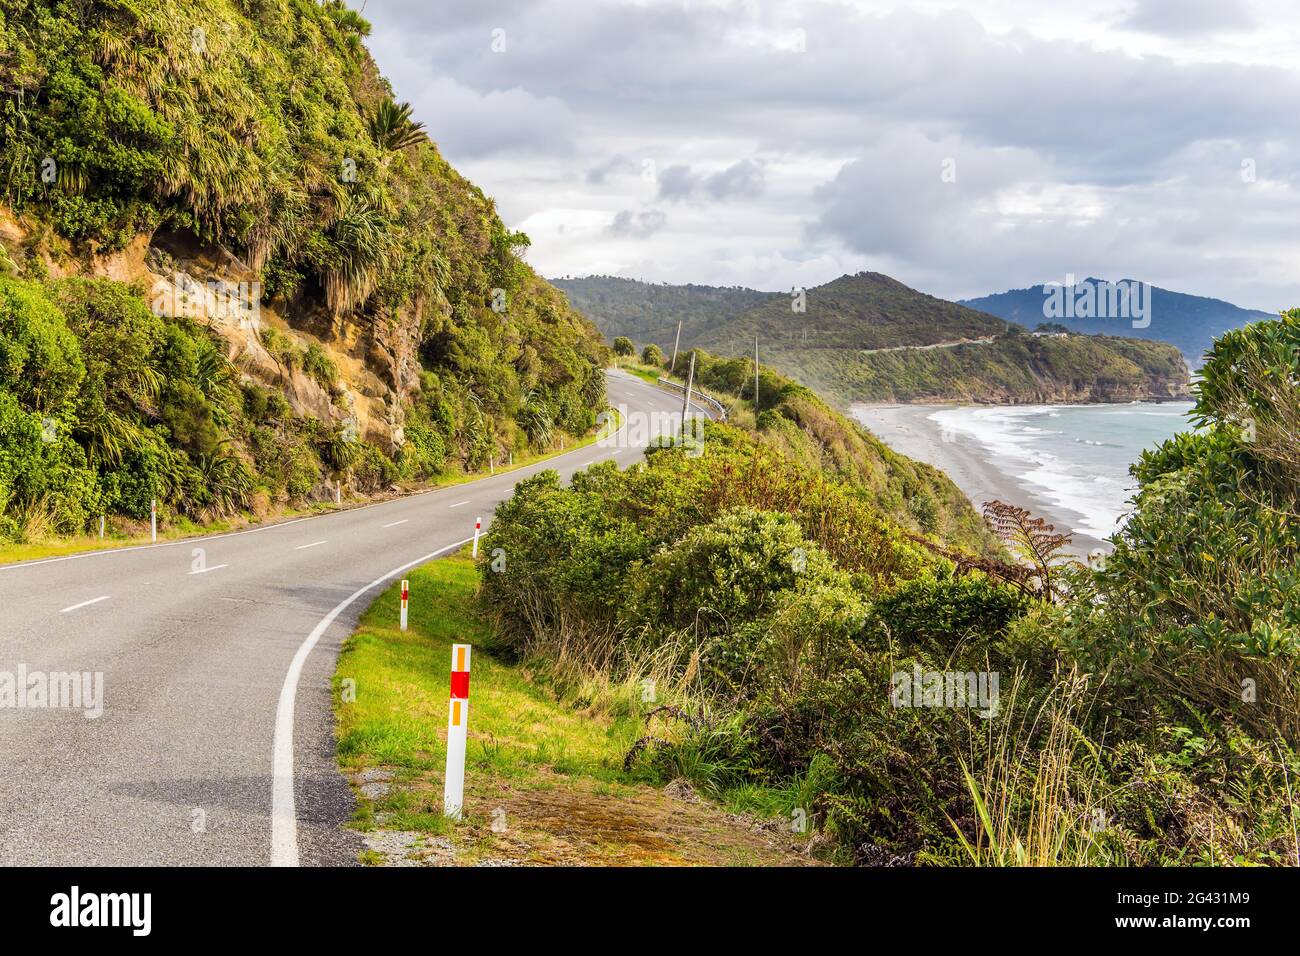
(868, 337)
(1191, 322)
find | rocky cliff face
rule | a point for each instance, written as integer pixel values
(1008, 369)
(377, 360)
(1151, 389)
(187, 148)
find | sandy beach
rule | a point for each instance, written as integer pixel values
(909, 430)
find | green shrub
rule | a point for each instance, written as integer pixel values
(721, 574)
(40, 360)
(943, 615)
(554, 561)
(318, 366)
(372, 469)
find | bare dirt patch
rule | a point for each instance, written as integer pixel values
(549, 819)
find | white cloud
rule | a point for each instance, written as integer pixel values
(782, 144)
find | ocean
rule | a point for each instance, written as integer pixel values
(1075, 456)
(1068, 463)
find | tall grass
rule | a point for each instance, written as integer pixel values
(1038, 791)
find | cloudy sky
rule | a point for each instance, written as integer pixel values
(963, 148)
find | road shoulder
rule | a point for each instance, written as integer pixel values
(544, 777)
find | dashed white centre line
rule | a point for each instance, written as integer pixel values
(74, 607)
(215, 567)
(312, 545)
(394, 524)
(459, 503)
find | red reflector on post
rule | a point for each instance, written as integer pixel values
(460, 685)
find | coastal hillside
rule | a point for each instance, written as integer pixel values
(1015, 367)
(870, 338)
(237, 275)
(797, 430)
(1191, 322)
(856, 312)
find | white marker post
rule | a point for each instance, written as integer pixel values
(478, 526)
(101, 527)
(406, 594)
(338, 494)
(457, 732)
(153, 518)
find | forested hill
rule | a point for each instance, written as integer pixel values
(863, 311)
(242, 271)
(649, 312)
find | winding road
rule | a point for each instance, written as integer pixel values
(215, 745)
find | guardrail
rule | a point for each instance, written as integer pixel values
(696, 396)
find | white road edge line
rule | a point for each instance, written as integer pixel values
(394, 524)
(215, 567)
(284, 814)
(312, 545)
(459, 503)
(74, 607)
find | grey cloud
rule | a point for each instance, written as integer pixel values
(1038, 128)
(677, 182)
(744, 179)
(660, 66)
(618, 163)
(1188, 17)
(892, 205)
(639, 225)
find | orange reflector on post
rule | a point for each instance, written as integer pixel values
(457, 732)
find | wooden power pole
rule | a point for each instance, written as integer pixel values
(755, 373)
(686, 399)
(672, 366)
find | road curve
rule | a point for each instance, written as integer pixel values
(180, 767)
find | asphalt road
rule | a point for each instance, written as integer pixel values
(198, 670)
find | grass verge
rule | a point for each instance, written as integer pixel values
(544, 776)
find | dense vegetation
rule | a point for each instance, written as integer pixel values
(262, 135)
(648, 312)
(1145, 712)
(105, 407)
(793, 421)
(1191, 322)
(863, 311)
